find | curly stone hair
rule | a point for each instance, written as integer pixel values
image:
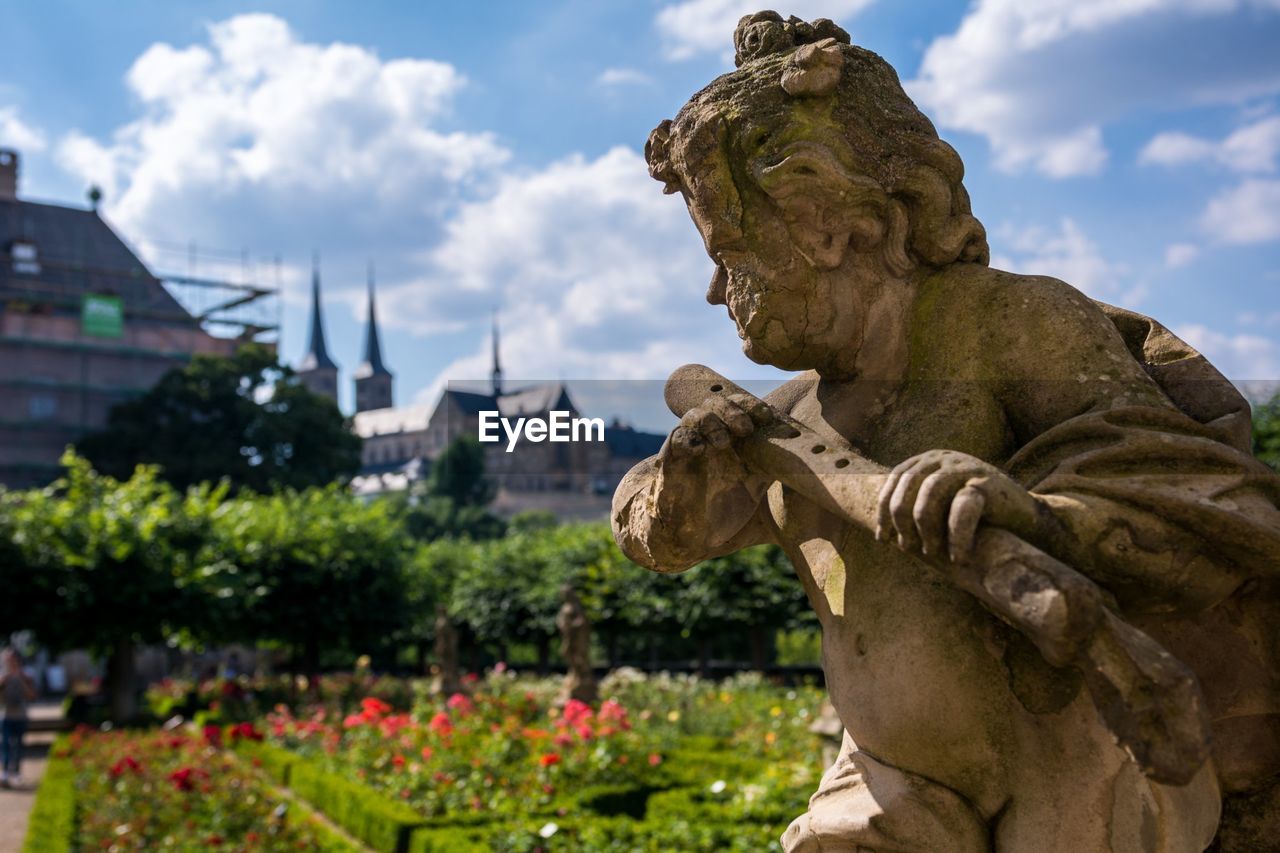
(782, 62)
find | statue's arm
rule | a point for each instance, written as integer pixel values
(670, 523)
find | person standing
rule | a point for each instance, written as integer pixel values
(16, 690)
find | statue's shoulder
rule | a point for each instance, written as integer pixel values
(1010, 317)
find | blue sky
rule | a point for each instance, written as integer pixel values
(487, 155)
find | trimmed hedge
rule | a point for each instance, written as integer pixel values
(51, 826)
(672, 813)
(383, 824)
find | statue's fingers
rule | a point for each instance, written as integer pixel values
(687, 442)
(733, 416)
(902, 504)
(884, 520)
(760, 412)
(708, 423)
(932, 504)
(962, 523)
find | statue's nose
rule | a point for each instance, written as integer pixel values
(719, 281)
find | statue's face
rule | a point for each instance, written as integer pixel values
(793, 229)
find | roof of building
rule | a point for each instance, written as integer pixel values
(317, 355)
(533, 400)
(630, 443)
(372, 364)
(77, 252)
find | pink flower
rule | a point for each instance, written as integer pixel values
(427, 753)
(353, 721)
(654, 759)
(585, 732)
(611, 709)
(576, 712)
(441, 724)
(460, 703)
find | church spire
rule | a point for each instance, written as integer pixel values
(317, 370)
(372, 364)
(497, 365)
(373, 380)
(317, 356)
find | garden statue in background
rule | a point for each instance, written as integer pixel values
(575, 647)
(1043, 557)
(448, 677)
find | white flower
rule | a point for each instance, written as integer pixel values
(718, 786)
(548, 830)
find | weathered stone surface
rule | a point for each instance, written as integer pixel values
(1045, 562)
(448, 677)
(575, 647)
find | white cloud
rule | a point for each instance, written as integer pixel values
(596, 272)
(17, 134)
(1180, 254)
(1252, 148)
(259, 137)
(1240, 357)
(696, 27)
(1068, 254)
(1040, 79)
(623, 77)
(1247, 213)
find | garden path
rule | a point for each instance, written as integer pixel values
(15, 803)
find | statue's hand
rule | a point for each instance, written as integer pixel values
(938, 498)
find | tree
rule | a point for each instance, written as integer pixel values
(455, 498)
(319, 571)
(243, 418)
(108, 563)
(458, 474)
(1266, 432)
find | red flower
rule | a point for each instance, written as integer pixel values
(585, 732)
(441, 724)
(184, 778)
(397, 761)
(611, 709)
(576, 712)
(563, 740)
(374, 707)
(549, 759)
(622, 759)
(214, 840)
(213, 735)
(654, 759)
(470, 678)
(127, 763)
(246, 731)
(426, 753)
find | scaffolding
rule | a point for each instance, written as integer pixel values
(223, 290)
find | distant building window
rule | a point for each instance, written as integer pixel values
(42, 407)
(26, 260)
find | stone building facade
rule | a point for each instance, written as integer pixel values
(83, 325)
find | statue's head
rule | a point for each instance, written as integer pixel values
(810, 174)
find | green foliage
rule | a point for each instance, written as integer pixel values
(380, 822)
(51, 825)
(244, 418)
(110, 561)
(801, 647)
(458, 473)
(1266, 432)
(319, 570)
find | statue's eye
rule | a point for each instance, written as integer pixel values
(761, 138)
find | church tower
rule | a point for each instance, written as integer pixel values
(373, 380)
(496, 375)
(317, 370)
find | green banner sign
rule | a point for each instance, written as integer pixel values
(102, 316)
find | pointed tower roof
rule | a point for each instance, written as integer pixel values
(496, 375)
(317, 356)
(372, 364)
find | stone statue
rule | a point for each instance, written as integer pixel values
(448, 679)
(1044, 559)
(575, 647)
